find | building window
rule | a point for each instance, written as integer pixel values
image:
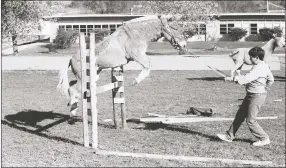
(97, 26)
(75, 27)
(83, 29)
(68, 27)
(89, 27)
(225, 28)
(61, 26)
(229, 26)
(119, 25)
(253, 28)
(112, 28)
(105, 26)
(202, 28)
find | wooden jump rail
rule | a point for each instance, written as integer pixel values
(90, 89)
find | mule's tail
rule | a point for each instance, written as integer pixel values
(63, 84)
(233, 53)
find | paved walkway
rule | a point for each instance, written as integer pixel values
(158, 63)
(9, 50)
(178, 62)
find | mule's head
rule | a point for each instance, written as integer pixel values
(173, 34)
(279, 41)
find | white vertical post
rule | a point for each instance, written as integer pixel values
(121, 94)
(113, 73)
(83, 88)
(93, 98)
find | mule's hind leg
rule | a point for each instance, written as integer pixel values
(74, 95)
(145, 62)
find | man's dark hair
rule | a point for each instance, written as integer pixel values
(257, 52)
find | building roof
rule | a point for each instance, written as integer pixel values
(93, 15)
(250, 14)
(77, 15)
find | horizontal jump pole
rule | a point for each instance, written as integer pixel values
(107, 87)
(165, 116)
(182, 158)
(170, 120)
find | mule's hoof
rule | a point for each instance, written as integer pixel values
(134, 82)
(71, 121)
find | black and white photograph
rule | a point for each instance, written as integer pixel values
(143, 83)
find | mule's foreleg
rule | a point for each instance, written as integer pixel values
(143, 74)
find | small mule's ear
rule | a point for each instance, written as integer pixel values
(177, 17)
(167, 17)
(274, 35)
(163, 20)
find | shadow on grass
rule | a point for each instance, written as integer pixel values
(280, 78)
(106, 126)
(184, 129)
(29, 118)
(32, 117)
(207, 79)
(179, 128)
(23, 119)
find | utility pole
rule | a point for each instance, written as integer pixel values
(131, 9)
(267, 5)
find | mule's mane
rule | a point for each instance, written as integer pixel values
(143, 28)
(141, 19)
(140, 29)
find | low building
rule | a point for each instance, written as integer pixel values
(212, 30)
(251, 22)
(84, 22)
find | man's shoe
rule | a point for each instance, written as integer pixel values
(261, 143)
(224, 137)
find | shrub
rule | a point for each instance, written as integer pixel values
(267, 33)
(278, 31)
(99, 34)
(65, 38)
(225, 37)
(189, 33)
(237, 33)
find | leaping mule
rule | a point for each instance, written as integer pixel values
(128, 43)
(240, 56)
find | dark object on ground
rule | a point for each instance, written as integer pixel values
(200, 111)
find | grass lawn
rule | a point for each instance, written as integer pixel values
(30, 101)
(156, 48)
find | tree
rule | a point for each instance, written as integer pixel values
(185, 12)
(22, 17)
(107, 6)
(249, 6)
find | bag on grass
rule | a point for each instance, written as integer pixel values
(200, 111)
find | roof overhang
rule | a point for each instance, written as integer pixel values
(92, 16)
